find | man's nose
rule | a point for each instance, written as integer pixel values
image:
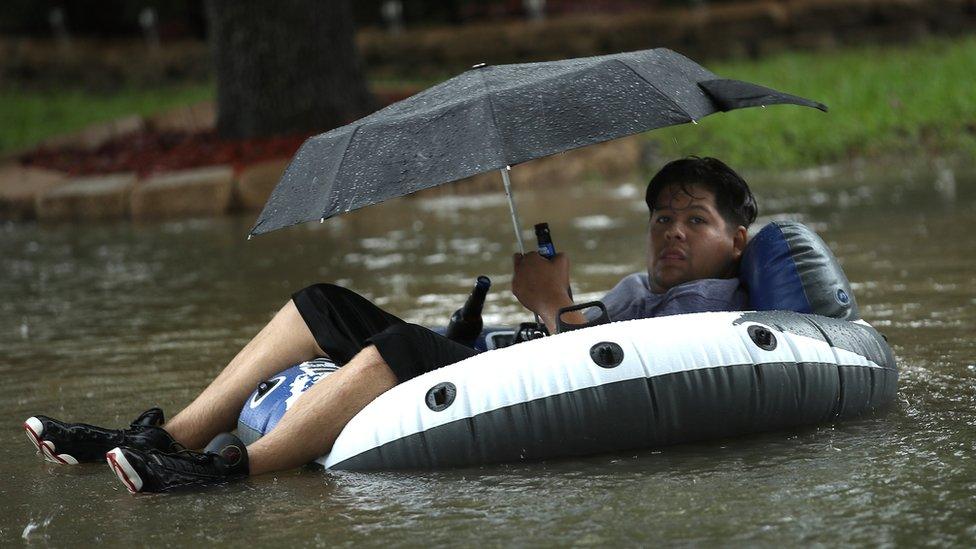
(675, 232)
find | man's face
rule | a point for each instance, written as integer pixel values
(689, 239)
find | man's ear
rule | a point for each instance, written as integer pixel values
(739, 240)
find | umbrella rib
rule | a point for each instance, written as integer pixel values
(504, 170)
(342, 159)
(494, 118)
(651, 84)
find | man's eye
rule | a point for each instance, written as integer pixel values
(662, 219)
(697, 219)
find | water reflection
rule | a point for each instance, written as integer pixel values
(102, 321)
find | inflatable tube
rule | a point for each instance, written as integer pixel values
(625, 385)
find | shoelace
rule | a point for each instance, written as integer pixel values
(187, 461)
(136, 431)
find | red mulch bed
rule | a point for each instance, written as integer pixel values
(150, 152)
(153, 151)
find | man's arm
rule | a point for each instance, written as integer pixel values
(540, 285)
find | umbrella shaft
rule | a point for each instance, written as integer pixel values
(511, 206)
(515, 218)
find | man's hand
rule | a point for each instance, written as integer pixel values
(541, 284)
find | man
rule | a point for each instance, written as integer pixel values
(699, 212)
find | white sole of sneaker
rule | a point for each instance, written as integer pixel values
(35, 430)
(122, 469)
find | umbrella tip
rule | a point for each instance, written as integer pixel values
(321, 220)
(479, 65)
(249, 236)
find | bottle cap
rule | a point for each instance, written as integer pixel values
(483, 282)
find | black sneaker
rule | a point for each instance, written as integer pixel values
(224, 459)
(73, 443)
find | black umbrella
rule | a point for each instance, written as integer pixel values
(493, 117)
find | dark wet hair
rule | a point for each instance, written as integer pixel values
(732, 195)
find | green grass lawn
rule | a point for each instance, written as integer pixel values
(884, 102)
(29, 117)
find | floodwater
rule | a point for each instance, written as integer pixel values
(99, 322)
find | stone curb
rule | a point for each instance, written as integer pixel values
(200, 192)
(196, 117)
(621, 156)
(26, 193)
(87, 199)
(20, 186)
(255, 183)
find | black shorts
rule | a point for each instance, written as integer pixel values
(344, 322)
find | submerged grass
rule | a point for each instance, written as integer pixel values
(885, 102)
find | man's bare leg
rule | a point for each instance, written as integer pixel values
(311, 426)
(283, 342)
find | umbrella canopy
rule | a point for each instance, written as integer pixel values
(491, 117)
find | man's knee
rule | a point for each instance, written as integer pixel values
(370, 363)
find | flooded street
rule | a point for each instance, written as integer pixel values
(98, 323)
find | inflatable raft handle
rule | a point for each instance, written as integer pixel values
(561, 326)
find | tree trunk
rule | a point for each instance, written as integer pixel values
(285, 67)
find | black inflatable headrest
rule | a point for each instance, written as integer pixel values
(786, 266)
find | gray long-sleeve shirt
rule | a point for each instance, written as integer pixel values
(632, 298)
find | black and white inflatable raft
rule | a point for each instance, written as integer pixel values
(805, 359)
